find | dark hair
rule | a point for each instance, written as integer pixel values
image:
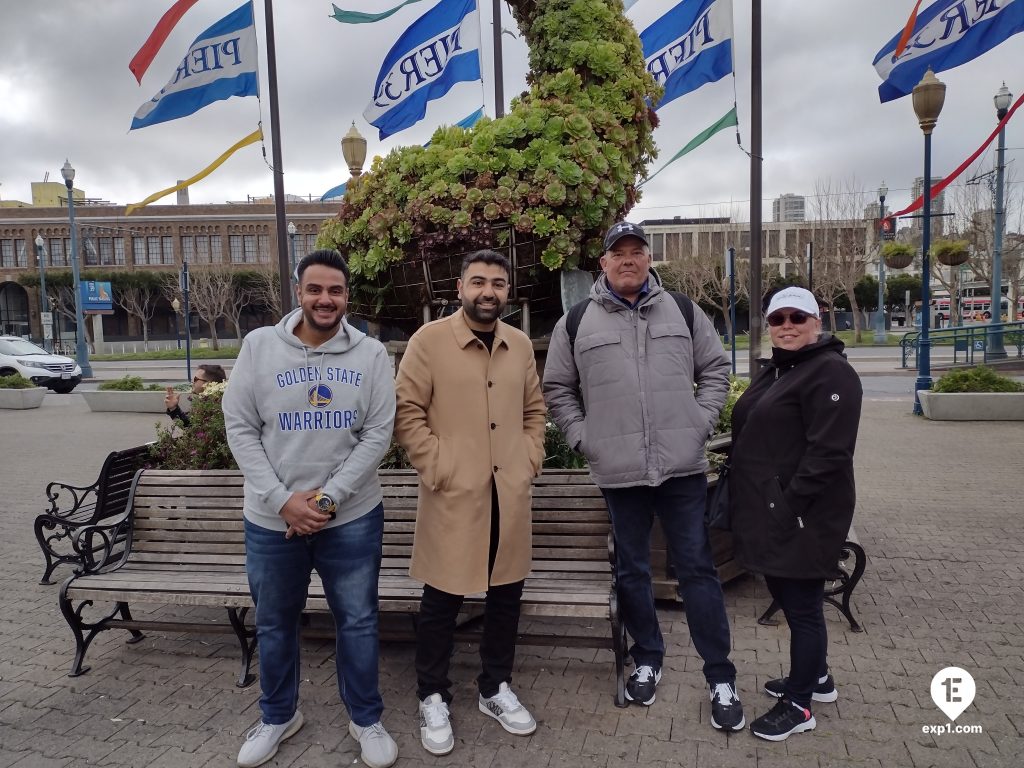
(486, 257)
(328, 257)
(215, 372)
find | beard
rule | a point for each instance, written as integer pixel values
(310, 320)
(482, 315)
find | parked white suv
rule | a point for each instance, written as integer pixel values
(59, 373)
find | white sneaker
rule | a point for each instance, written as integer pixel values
(262, 741)
(378, 748)
(435, 727)
(504, 707)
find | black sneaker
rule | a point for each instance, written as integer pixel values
(642, 684)
(726, 709)
(825, 691)
(782, 720)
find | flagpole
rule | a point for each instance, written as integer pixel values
(756, 326)
(275, 145)
(499, 73)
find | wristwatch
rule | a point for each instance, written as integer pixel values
(326, 504)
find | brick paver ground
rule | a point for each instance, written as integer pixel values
(939, 513)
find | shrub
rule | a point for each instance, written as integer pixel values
(736, 388)
(978, 379)
(15, 381)
(203, 444)
(129, 384)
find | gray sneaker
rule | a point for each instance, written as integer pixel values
(435, 726)
(504, 707)
(261, 742)
(378, 748)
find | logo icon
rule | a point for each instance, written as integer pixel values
(953, 691)
(320, 396)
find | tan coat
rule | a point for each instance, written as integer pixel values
(465, 417)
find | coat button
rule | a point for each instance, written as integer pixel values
(495, 467)
(493, 425)
(771, 505)
(490, 383)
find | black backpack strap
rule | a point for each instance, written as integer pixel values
(685, 306)
(573, 318)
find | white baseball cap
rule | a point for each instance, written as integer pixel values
(794, 298)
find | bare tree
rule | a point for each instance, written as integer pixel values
(266, 287)
(211, 292)
(139, 298)
(840, 239)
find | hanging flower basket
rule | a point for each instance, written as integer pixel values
(897, 255)
(952, 253)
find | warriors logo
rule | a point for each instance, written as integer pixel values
(320, 396)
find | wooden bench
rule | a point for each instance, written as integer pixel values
(181, 543)
(73, 507)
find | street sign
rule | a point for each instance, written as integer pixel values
(888, 228)
(46, 320)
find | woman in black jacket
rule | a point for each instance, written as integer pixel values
(792, 492)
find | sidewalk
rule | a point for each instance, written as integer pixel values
(939, 513)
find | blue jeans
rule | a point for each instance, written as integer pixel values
(679, 503)
(347, 557)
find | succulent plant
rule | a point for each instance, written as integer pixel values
(562, 165)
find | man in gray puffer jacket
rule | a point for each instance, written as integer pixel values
(639, 392)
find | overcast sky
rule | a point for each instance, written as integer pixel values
(65, 91)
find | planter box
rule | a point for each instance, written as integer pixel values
(132, 402)
(972, 406)
(21, 399)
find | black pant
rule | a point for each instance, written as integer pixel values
(435, 631)
(802, 602)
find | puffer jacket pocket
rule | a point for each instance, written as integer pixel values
(670, 349)
(600, 358)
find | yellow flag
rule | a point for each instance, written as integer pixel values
(252, 138)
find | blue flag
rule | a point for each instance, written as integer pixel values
(689, 46)
(438, 50)
(946, 35)
(220, 63)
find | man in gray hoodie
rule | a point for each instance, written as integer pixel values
(638, 391)
(309, 414)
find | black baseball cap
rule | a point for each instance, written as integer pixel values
(623, 229)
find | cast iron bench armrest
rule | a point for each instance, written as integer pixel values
(80, 501)
(95, 545)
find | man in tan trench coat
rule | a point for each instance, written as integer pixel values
(471, 417)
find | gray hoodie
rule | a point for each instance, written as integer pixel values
(300, 418)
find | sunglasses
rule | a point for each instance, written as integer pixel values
(775, 319)
(196, 379)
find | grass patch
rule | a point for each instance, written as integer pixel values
(225, 353)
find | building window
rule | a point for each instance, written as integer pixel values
(657, 246)
(235, 250)
(188, 248)
(263, 243)
(6, 253)
(216, 254)
(138, 250)
(58, 256)
(152, 250)
(167, 249)
(119, 250)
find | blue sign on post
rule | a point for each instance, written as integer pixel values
(97, 297)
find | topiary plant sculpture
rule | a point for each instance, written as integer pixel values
(556, 171)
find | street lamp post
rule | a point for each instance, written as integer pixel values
(928, 95)
(1002, 101)
(880, 318)
(184, 284)
(81, 349)
(176, 306)
(43, 303)
(292, 230)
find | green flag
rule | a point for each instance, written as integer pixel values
(726, 121)
(355, 17)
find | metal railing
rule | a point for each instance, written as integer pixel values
(969, 344)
